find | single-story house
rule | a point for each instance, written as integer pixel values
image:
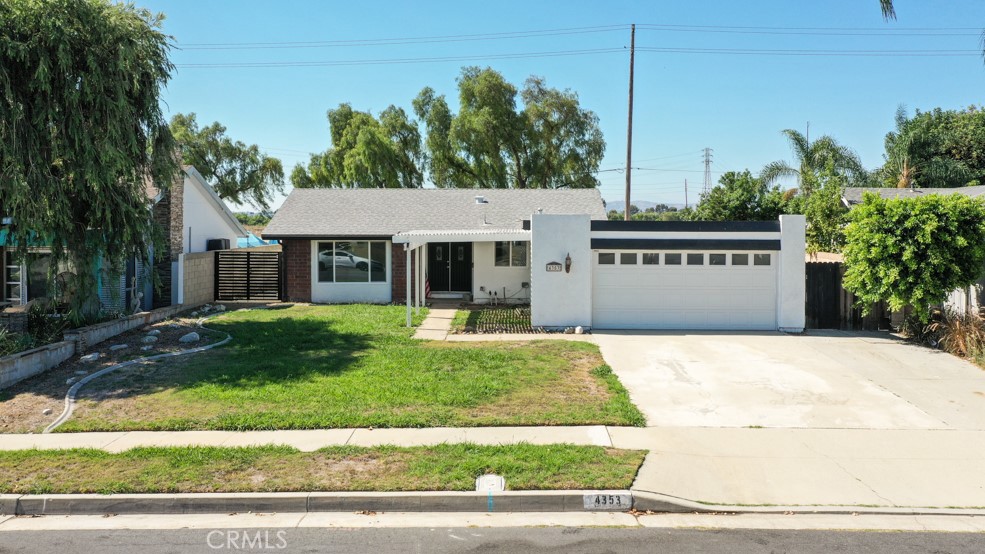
(194, 219)
(962, 300)
(551, 248)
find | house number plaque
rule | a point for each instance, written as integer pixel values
(554, 266)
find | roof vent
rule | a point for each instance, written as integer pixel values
(481, 200)
(540, 210)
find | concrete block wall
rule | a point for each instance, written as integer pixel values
(198, 278)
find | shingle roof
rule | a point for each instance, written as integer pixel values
(853, 196)
(382, 212)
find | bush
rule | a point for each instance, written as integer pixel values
(959, 334)
(11, 343)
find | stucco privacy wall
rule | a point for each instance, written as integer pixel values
(497, 278)
(791, 304)
(561, 299)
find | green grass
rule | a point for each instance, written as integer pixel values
(343, 468)
(309, 367)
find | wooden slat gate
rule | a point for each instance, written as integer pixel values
(246, 275)
(830, 306)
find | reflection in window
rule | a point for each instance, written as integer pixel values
(607, 258)
(351, 261)
(761, 259)
(627, 258)
(740, 259)
(651, 259)
(511, 253)
(695, 259)
(672, 259)
(716, 259)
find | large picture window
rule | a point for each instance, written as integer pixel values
(511, 253)
(356, 261)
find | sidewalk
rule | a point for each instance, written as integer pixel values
(721, 468)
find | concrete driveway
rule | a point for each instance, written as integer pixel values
(825, 379)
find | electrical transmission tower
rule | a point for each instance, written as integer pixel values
(708, 185)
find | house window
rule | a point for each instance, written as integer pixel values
(672, 259)
(740, 259)
(651, 259)
(716, 259)
(11, 279)
(356, 261)
(607, 258)
(695, 259)
(761, 259)
(511, 253)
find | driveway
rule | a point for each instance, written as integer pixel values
(822, 380)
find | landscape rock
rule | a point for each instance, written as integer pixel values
(569, 330)
(146, 348)
(154, 333)
(89, 357)
(149, 339)
(579, 330)
(46, 411)
(82, 372)
(174, 325)
(116, 347)
(71, 380)
(190, 337)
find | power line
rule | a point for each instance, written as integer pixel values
(400, 40)
(829, 53)
(820, 31)
(331, 63)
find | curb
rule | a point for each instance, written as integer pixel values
(301, 502)
(462, 502)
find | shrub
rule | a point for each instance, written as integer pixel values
(960, 334)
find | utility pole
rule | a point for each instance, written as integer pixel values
(685, 193)
(629, 126)
(708, 185)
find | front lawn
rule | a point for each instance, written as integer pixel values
(308, 367)
(447, 467)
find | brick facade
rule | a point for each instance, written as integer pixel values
(297, 258)
(398, 273)
(169, 214)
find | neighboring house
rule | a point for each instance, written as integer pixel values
(191, 215)
(963, 300)
(551, 248)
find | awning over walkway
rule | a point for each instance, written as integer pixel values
(415, 239)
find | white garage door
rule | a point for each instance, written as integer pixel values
(684, 290)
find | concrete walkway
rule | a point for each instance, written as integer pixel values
(728, 467)
(437, 324)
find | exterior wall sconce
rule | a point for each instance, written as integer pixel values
(567, 263)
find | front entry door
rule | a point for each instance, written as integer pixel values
(450, 266)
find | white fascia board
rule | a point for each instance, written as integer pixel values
(678, 236)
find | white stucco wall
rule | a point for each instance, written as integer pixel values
(346, 293)
(202, 220)
(486, 274)
(560, 299)
(791, 301)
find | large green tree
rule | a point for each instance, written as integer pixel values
(936, 149)
(238, 172)
(366, 152)
(813, 157)
(546, 140)
(913, 251)
(81, 129)
(740, 197)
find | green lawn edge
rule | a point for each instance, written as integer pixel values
(444, 467)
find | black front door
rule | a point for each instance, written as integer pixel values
(450, 266)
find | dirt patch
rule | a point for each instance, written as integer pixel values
(22, 406)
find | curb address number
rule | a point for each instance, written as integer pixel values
(608, 501)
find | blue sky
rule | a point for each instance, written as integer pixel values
(736, 104)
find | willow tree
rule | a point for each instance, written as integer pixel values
(81, 129)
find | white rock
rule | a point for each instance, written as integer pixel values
(153, 333)
(146, 348)
(194, 314)
(71, 381)
(149, 339)
(82, 372)
(90, 357)
(579, 330)
(569, 330)
(220, 308)
(190, 337)
(116, 347)
(46, 411)
(174, 325)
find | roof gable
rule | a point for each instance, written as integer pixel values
(386, 212)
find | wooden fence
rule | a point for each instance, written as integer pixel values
(830, 306)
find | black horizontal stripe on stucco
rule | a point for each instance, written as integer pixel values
(688, 226)
(685, 244)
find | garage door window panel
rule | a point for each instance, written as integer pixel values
(695, 259)
(761, 259)
(740, 259)
(672, 259)
(627, 258)
(716, 259)
(607, 258)
(650, 258)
